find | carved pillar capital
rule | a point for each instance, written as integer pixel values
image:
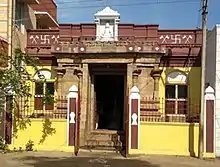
(135, 75)
(60, 72)
(78, 72)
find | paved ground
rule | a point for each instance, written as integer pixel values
(61, 159)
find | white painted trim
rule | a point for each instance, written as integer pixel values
(73, 93)
(46, 13)
(3, 4)
(134, 95)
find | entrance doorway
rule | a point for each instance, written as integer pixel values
(109, 95)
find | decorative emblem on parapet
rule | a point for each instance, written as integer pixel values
(130, 48)
(176, 39)
(45, 39)
(62, 48)
(156, 47)
(139, 48)
(81, 48)
(101, 46)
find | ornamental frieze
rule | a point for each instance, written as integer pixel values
(107, 47)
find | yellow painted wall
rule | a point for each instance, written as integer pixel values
(168, 139)
(55, 130)
(32, 71)
(193, 74)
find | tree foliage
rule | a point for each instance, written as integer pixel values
(14, 78)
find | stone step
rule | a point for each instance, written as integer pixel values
(104, 142)
(111, 137)
(104, 145)
(105, 135)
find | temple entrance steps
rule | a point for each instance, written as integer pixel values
(105, 140)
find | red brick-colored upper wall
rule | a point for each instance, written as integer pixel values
(69, 32)
(46, 6)
(129, 31)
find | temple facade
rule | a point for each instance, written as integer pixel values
(115, 85)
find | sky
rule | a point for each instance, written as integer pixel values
(169, 14)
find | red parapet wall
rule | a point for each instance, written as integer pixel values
(42, 38)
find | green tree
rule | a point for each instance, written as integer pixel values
(14, 78)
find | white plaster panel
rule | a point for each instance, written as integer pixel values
(42, 74)
(210, 76)
(217, 125)
(176, 77)
(218, 55)
(217, 66)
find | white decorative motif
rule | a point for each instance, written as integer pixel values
(176, 39)
(82, 49)
(135, 93)
(43, 74)
(107, 12)
(134, 118)
(164, 38)
(130, 48)
(209, 93)
(34, 39)
(108, 33)
(55, 38)
(177, 77)
(187, 38)
(157, 48)
(44, 39)
(73, 88)
(72, 118)
(139, 48)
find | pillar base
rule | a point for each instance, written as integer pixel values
(209, 155)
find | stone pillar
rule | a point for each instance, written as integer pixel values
(134, 79)
(60, 73)
(82, 105)
(156, 73)
(156, 87)
(134, 118)
(209, 123)
(129, 76)
(70, 78)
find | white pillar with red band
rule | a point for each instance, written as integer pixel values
(134, 118)
(72, 109)
(209, 122)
